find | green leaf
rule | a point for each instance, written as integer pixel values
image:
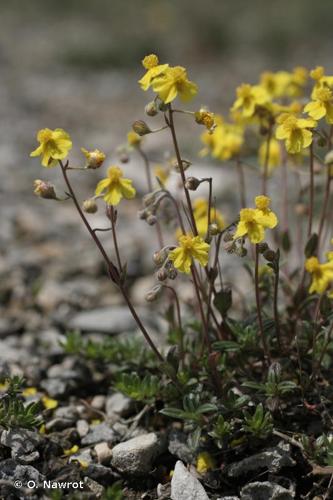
(223, 301)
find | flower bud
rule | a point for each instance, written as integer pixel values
(172, 273)
(228, 237)
(90, 206)
(151, 109)
(44, 189)
(153, 294)
(241, 251)
(192, 183)
(160, 256)
(329, 158)
(269, 255)
(229, 247)
(185, 164)
(141, 128)
(213, 229)
(162, 274)
(142, 214)
(163, 107)
(94, 158)
(124, 158)
(149, 199)
(151, 220)
(262, 247)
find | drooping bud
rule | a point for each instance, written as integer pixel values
(44, 189)
(141, 128)
(192, 183)
(213, 229)
(228, 237)
(160, 256)
(94, 158)
(162, 274)
(262, 247)
(151, 109)
(90, 206)
(151, 220)
(172, 273)
(149, 199)
(185, 164)
(269, 255)
(153, 294)
(241, 251)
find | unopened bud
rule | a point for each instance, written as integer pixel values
(44, 189)
(124, 158)
(213, 229)
(90, 206)
(142, 214)
(228, 237)
(141, 128)
(262, 247)
(229, 247)
(94, 158)
(151, 109)
(185, 164)
(153, 293)
(149, 199)
(151, 220)
(241, 251)
(192, 183)
(163, 107)
(329, 158)
(172, 273)
(162, 274)
(160, 256)
(269, 255)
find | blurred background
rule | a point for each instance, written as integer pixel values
(75, 64)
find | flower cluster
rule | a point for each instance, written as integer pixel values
(167, 82)
(253, 221)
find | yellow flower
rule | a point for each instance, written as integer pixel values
(318, 75)
(206, 118)
(200, 210)
(298, 81)
(274, 155)
(115, 187)
(54, 145)
(249, 97)
(190, 248)
(94, 158)
(225, 141)
(74, 449)
(265, 216)
(133, 139)
(162, 173)
(154, 69)
(322, 274)
(254, 221)
(205, 462)
(49, 403)
(322, 104)
(275, 83)
(29, 391)
(295, 131)
(172, 83)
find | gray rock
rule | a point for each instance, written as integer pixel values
(97, 434)
(266, 490)
(56, 387)
(272, 459)
(100, 473)
(11, 470)
(114, 320)
(98, 402)
(67, 412)
(184, 486)
(118, 405)
(228, 498)
(94, 487)
(178, 446)
(82, 427)
(23, 444)
(137, 455)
